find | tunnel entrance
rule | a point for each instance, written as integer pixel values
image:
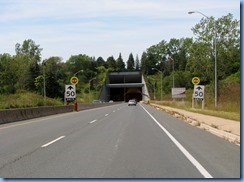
(125, 94)
(123, 86)
(133, 93)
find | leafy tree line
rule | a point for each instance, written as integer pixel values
(191, 57)
(182, 58)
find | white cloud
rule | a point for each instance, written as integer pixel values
(102, 27)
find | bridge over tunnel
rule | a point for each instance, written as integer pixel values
(123, 86)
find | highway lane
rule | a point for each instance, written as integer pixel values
(118, 141)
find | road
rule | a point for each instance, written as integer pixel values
(117, 141)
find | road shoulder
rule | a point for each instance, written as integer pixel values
(224, 128)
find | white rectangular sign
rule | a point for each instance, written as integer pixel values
(198, 92)
(70, 92)
(178, 93)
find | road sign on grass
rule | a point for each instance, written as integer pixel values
(70, 92)
(198, 92)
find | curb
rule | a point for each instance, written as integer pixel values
(220, 133)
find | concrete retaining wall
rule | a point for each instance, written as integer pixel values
(12, 115)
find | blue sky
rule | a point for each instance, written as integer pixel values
(102, 27)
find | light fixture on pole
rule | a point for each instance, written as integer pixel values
(215, 57)
(78, 72)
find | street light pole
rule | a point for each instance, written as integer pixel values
(173, 70)
(215, 57)
(44, 83)
(78, 72)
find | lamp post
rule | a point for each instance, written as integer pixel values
(173, 70)
(215, 57)
(90, 86)
(78, 72)
(44, 83)
(161, 82)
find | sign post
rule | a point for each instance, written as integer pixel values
(70, 92)
(198, 93)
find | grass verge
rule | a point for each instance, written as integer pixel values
(23, 99)
(185, 105)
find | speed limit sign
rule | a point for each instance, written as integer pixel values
(198, 92)
(70, 92)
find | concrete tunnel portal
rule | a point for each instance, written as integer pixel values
(123, 86)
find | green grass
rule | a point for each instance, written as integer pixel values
(228, 101)
(23, 99)
(186, 105)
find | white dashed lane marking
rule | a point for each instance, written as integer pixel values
(93, 121)
(47, 144)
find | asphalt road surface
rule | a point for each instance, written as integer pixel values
(117, 141)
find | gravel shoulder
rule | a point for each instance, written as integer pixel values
(224, 128)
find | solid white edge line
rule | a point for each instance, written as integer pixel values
(199, 167)
(93, 121)
(52, 141)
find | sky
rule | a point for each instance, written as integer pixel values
(102, 27)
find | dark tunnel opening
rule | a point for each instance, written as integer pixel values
(125, 94)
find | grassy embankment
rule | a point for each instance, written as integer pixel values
(23, 99)
(229, 99)
(228, 103)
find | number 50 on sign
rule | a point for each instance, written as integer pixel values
(70, 92)
(198, 92)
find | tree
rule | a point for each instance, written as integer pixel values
(8, 73)
(144, 67)
(80, 62)
(100, 62)
(159, 50)
(52, 68)
(228, 46)
(39, 83)
(199, 63)
(120, 63)
(29, 49)
(137, 63)
(228, 43)
(151, 63)
(173, 50)
(33, 71)
(111, 63)
(28, 55)
(156, 58)
(131, 63)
